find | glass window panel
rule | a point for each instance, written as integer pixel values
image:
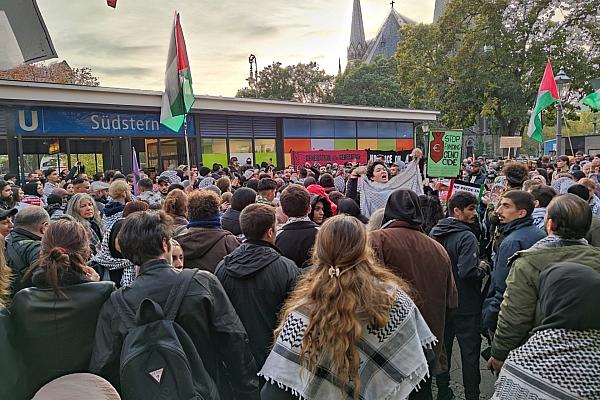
(322, 128)
(386, 130)
(366, 129)
(241, 148)
(264, 151)
(404, 130)
(345, 129)
(214, 151)
(345, 144)
(296, 128)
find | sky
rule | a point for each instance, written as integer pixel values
(126, 47)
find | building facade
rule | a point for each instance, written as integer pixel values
(49, 125)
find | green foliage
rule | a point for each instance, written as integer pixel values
(375, 84)
(306, 83)
(487, 57)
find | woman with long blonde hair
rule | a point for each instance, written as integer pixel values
(349, 330)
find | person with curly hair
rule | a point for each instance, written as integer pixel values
(349, 329)
(176, 206)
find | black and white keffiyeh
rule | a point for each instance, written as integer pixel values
(374, 195)
(392, 360)
(554, 364)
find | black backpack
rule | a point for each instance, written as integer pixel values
(158, 358)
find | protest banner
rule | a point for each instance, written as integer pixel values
(464, 186)
(445, 150)
(389, 156)
(322, 157)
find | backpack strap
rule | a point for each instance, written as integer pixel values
(125, 311)
(178, 291)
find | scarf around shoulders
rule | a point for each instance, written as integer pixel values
(392, 360)
(374, 195)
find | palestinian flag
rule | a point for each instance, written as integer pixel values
(547, 95)
(592, 100)
(178, 98)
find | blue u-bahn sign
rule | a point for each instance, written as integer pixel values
(48, 121)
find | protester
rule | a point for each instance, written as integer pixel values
(205, 243)
(317, 190)
(82, 208)
(241, 198)
(65, 289)
(81, 185)
(33, 194)
(52, 181)
(542, 196)
(177, 259)
(113, 210)
(145, 192)
(567, 222)
(6, 200)
(592, 200)
(6, 222)
(402, 247)
(349, 207)
(517, 233)
(455, 234)
(205, 313)
(376, 220)
(345, 304)
(297, 236)
(370, 186)
(266, 191)
(257, 278)
(24, 243)
(320, 209)
(100, 194)
(559, 360)
(432, 211)
(176, 206)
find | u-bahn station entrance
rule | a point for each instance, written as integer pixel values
(49, 125)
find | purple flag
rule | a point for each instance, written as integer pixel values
(136, 173)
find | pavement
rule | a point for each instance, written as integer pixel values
(487, 378)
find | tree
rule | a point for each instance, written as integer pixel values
(375, 84)
(486, 58)
(306, 83)
(59, 72)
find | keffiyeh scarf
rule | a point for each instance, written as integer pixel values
(554, 364)
(556, 241)
(106, 260)
(392, 360)
(374, 195)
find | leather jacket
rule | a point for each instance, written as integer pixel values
(55, 333)
(206, 314)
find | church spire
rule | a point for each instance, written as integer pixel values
(358, 44)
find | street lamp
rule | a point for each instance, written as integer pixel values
(563, 83)
(425, 129)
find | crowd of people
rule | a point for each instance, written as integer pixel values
(315, 282)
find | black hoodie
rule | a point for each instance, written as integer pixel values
(463, 248)
(258, 279)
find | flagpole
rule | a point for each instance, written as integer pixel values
(187, 146)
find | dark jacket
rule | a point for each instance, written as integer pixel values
(425, 265)
(463, 249)
(258, 279)
(296, 241)
(593, 235)
(22, 249)
(231, 221)
(12, 369)
(54, 334)
(112, 207)
(207, 316)
(519, 235)
(100, 202)
(204, 248)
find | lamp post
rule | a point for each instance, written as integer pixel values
(563, 83)
(425, 129)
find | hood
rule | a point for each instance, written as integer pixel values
(516, 225)
(231, 215)
(448, 226)
(403, 205)
(318, 190)
(112, 207)
(249, 258)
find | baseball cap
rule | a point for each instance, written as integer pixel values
(8, 213)
(164, 179)
(98, 185)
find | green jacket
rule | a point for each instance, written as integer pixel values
(519, 311)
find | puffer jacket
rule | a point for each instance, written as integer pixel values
(53, 332)
(520, 310)
(206, 314)
(519, 235)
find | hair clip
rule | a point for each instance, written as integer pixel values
(334, 272)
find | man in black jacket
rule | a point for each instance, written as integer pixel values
(462, 246)
(206, 314)
(296, 237)
(257, 278)
(24, 243)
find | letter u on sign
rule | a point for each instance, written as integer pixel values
(34, 121)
